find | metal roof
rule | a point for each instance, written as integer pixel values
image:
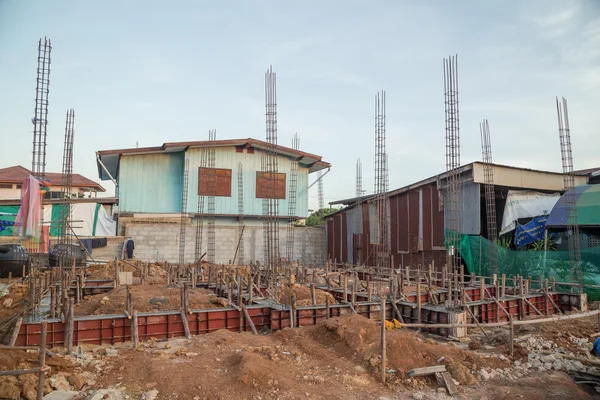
(18, 173)
(110, 158)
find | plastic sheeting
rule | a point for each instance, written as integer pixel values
(587, 202)
(525, 204)
(89, 219)
(27, 222)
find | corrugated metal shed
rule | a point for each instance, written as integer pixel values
(151, 183)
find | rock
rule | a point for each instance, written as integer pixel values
(76, 381)
(190, 354)
(150, 395)
(59, 382)
(441, 390)
(517, 363)
(557, 365)
(158, 300)
(9, 388)
(485, 376)
(548, 365)
(61, 395)
(7, 303)
(111, 352)
(107, 394)
(548, 359)
(418, 396)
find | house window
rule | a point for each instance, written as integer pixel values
(270, 190)
(6, 186)
(53, 195)
(220, 187)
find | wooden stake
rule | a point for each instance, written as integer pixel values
(186, 326)
(511, 336)
(53, 302)
(15, 332)
(327, 309)
(419, 305)
(70, 326)
(293, 311)
(383, 344)
(9, 277)
(135, 330)
(503, 285)
(313, 294)
(116, 272)
(250, 322)
(482, 289)
(42, 360)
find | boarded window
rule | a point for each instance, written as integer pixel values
(221, 185)
(265, 188)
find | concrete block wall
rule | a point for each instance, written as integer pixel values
(160, 242)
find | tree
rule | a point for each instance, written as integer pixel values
(316, 218)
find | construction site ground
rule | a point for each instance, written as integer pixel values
(336, 359)
(147, 298)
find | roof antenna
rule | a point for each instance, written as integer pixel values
(137, 144)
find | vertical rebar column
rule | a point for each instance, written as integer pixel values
(65, 253)
(452, 201)
(272, 171)
(292, 198)
(358, 213)
(212, 191)
(183, 222)
(381, 185)
(490, 197)
(40, 122)
(358, 178)
(240, 180)
(40, 115)
(573, 239)
(200, 209)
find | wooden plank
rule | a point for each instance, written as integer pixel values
(445, 379)
(425, 371)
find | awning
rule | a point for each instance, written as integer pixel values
(587, 203)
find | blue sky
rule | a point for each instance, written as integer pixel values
(155, 71)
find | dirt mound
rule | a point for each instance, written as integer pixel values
(304, 297)
(155, 271)
(146, 298)
(405, 349)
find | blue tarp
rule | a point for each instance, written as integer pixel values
(531, 231)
